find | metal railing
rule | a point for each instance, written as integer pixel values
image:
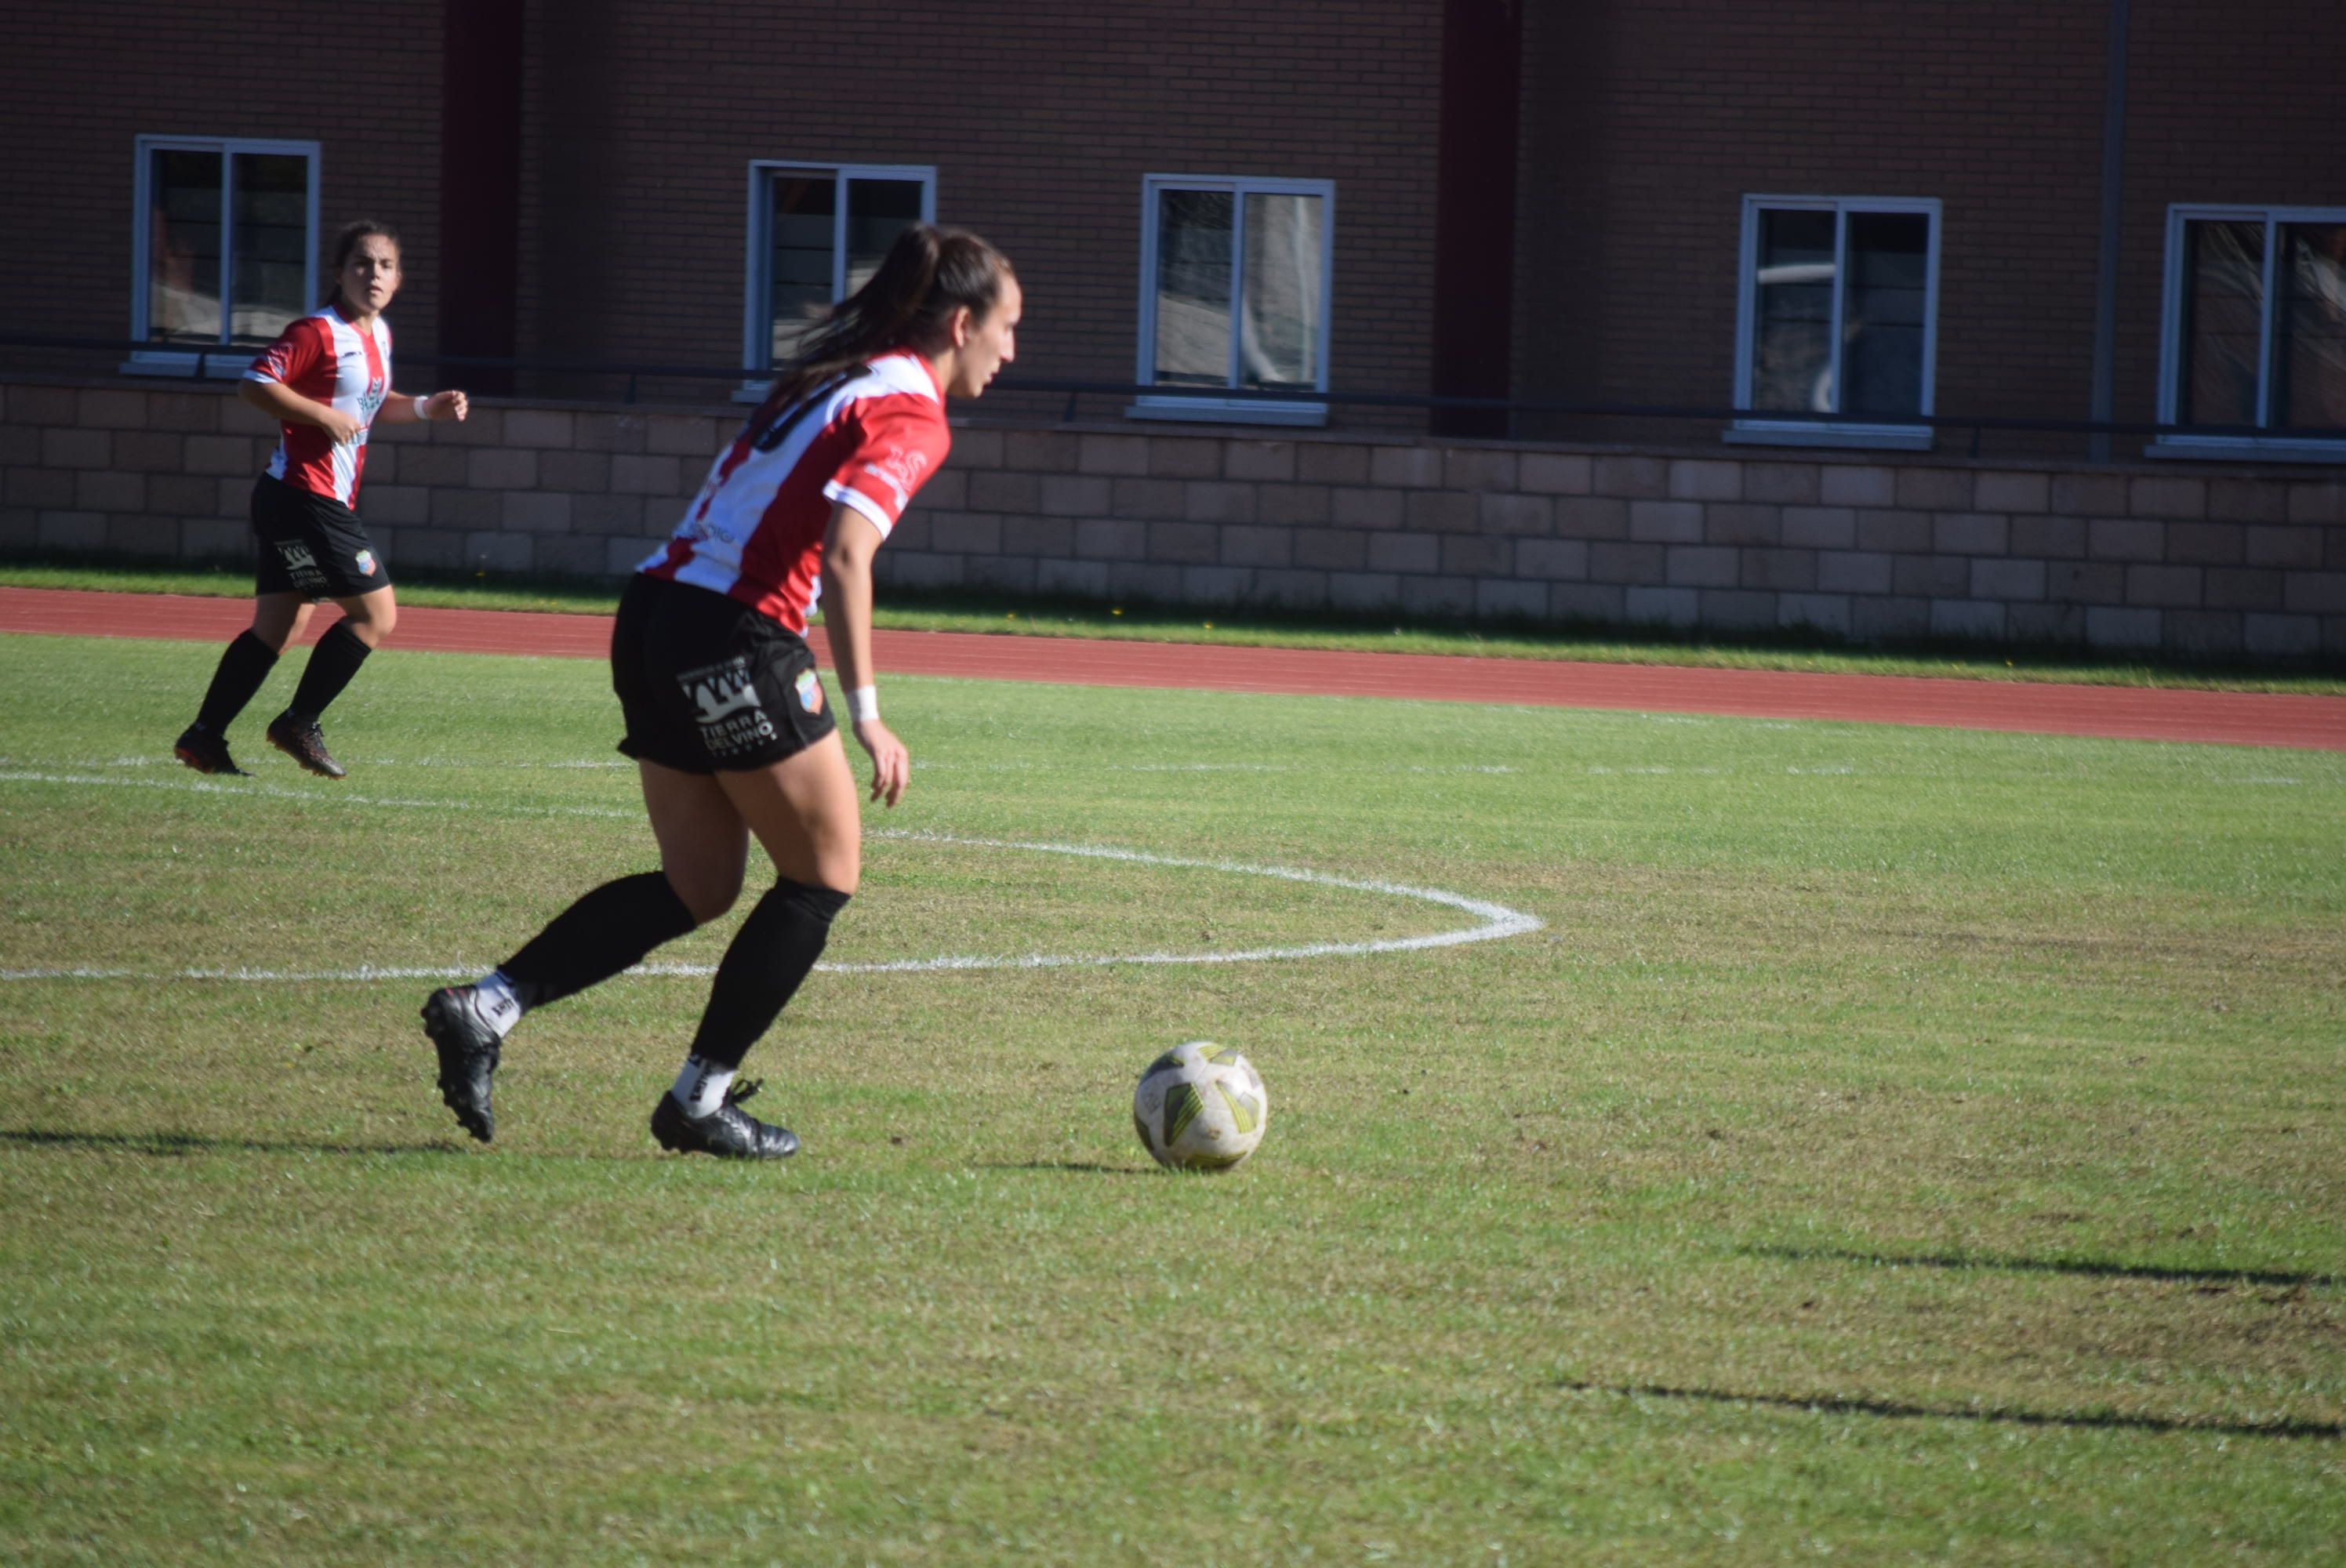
(201, 361)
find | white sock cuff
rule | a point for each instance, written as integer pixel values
(700, 1087)
(494, 994)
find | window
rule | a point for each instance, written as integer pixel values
(1839, 316)
(1234, 295)
(226, 237)
(2255, 336)
(817, 233)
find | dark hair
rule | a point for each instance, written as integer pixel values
(929, 273)
(348, 240)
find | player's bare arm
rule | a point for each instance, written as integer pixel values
(408, 408)
(848, 545)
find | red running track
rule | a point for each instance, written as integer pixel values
(2241, 718)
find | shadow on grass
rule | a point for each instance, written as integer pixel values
(194, 1144)
(1896, 1411)
(1082, 1168)
(2048, 1266)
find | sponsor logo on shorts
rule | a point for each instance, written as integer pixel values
(299, 565)
(810, 691)
(366, 563)
(724, 703)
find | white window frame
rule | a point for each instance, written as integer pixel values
(226, 363)
(756, 324)
(2182, 444)
(1231, 411)
(1757, 428)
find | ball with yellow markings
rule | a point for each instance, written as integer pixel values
(1200, 1107)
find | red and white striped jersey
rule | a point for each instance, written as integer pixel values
(866, 439)
(326, 359)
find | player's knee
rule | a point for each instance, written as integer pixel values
(705, 892)
(839, 865)
(278, 632)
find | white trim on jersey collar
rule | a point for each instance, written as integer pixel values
(905, 371)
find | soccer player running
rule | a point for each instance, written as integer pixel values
(724, 715)
(326, 380)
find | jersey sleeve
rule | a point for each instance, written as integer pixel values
(902, 440)
(300, 350)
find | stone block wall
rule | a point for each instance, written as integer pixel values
(2209, 560)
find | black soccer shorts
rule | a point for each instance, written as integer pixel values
(311, 544)
(708, 683)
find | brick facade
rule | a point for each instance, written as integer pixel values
(1641, 129)
(1040, 119)
(638, 123)
(1646, 124)
(1642, 126)
(83, 83)
(2222, 561)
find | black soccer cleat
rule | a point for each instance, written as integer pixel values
(468, 1057)
(206, 751)
(728, 1132)
(303, 740)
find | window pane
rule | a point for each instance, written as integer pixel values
(877, 211)
(2224, 302)
(272, 206)
(1193, 287)
(1792, 330)
(1881, 318)
(798, 255)
(2309, 358)
(183, 247)
(1278, 323)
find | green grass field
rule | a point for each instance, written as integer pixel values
(1891, 1145)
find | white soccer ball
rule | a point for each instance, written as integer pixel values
(1200, 1107)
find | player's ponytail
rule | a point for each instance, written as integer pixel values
(928, 273)
(896, 290)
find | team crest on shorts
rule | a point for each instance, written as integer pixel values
(366, 563)
(810, 691)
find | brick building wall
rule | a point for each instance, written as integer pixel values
(1040, 119)
(639, 123)
(2268, 133)
(2219, 560)
(1643, 125)
(83, 82)
(1646, 123)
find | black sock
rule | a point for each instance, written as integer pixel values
(242, 667)
(597, 937)
(770, 954)
(332, 664)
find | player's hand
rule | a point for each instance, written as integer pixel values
(341, 428)
(449, 404)
(892, 765)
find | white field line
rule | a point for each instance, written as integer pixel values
(1494, 921)
(322, 794)
(598, 765)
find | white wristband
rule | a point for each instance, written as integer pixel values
(863, 704)
(422, 417)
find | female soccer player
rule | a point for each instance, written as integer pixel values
(724, 715)
(325, 379)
